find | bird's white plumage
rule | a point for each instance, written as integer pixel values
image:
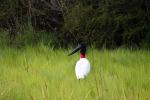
(82, 68)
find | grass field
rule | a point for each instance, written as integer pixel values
(41, 73)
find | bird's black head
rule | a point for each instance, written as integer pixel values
(81, 47)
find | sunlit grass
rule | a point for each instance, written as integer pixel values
(41, 73)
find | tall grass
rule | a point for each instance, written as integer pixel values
(41, 73)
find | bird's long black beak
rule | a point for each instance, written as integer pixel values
(75, 50)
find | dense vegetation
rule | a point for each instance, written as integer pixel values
(41, 73)
(102, 23)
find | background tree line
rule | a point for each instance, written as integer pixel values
(102, 23)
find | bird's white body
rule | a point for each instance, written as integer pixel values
(82, 68)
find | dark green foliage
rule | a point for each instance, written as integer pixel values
(29, 21)
(102, 23)
(110, 23)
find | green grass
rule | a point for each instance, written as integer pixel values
(41, 73)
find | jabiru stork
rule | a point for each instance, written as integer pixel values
(82, 67)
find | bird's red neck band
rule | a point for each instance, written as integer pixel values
(82, 55)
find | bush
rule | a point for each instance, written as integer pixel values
(108, 24)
